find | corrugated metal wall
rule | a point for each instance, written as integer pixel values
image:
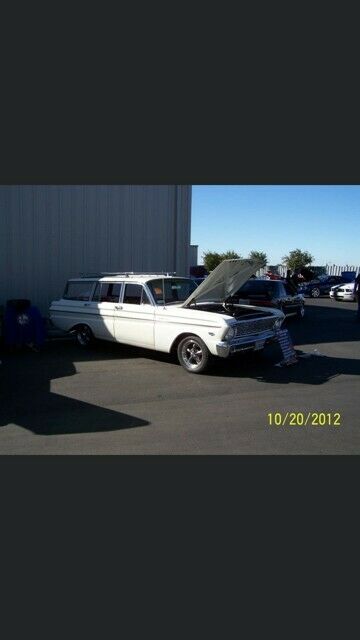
(51, 233)
(194, 255)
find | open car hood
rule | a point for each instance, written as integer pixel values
(224, 281)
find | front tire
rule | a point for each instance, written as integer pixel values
(315, 292)
(193, 354)
(84, 335)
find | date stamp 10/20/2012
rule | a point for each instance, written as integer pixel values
(300, 419)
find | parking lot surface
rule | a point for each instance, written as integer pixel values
(114, 399)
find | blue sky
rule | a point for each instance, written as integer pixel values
(324, 220)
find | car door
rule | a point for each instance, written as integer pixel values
(134, 317)
(102, 309)
(76, 303)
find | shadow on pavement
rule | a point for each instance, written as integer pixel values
(314, 370)
(310, 369)
(324, 324)
(26, 399)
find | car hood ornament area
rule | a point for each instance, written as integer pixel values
(224, 281)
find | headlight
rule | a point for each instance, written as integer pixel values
(278, 323)
(229, 334)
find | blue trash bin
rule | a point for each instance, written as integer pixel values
(23, 324)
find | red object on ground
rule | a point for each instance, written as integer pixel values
(273, 276)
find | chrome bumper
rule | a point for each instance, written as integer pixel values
(253, 342)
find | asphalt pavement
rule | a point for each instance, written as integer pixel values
(114, 399)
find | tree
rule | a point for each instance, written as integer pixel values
(258, 255)
(297, 259)
(212, 259)
(229, 255)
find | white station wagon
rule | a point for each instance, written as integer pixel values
(168, 313)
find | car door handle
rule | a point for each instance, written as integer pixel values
(86, 304)
(118, 306)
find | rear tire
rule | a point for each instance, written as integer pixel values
(315, 292)
(193, 354)
(84, 336)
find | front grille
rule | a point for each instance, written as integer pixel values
(248, 327)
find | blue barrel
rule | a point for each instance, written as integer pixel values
(23, 324)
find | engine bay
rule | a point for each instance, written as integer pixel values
(238, 311)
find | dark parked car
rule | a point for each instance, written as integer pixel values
(198, 280)
(320, 286)
(271, 293)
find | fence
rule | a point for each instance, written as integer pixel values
(279, 269)
(335, 270)
(330, 269)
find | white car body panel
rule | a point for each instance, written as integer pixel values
(173, 320)
(343, 292)
(158, 326)
(134, 325)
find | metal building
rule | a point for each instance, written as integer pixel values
(193, 255)
(51, 233)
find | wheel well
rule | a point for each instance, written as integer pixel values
(178, 339)
(78, 325)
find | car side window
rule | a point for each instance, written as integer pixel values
(78, 290)
(257, 290)
(252, 289)
(96, 294)
(144, 297)
(107, 292)
(274, 289)
(133, 294)
(245, 289)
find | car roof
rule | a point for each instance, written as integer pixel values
(125, 277)
(263, 281)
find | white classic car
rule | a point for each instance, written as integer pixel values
(168, 313)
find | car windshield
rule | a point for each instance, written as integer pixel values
(176, 289)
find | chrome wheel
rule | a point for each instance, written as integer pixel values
(84, 335)
(193, 354)
(315, 292)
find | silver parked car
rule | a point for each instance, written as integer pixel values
(343, 292)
